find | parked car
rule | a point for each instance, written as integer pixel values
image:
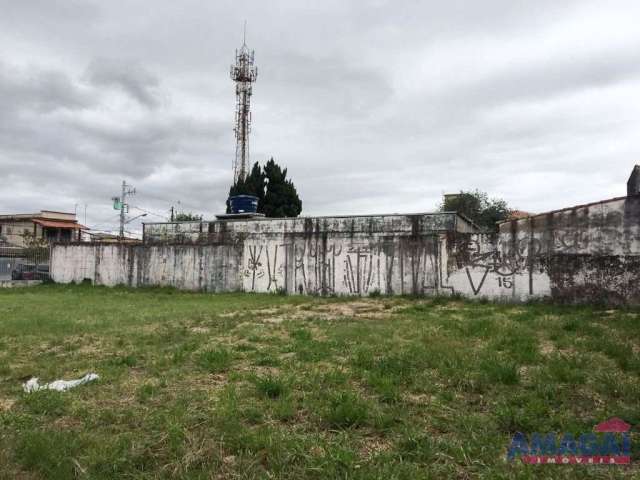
(30, 271)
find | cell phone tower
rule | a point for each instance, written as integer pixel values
(244, 73)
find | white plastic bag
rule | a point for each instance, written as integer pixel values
(32, 384)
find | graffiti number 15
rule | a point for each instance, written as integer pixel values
(506, 282)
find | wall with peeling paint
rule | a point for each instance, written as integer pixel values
(326, 255)
(207, 268)
(590, 252)
(587, 253)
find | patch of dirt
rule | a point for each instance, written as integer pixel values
(361, 309)
(373, 446)
(68, 423)
(527, 372)
(547, 347)
(199, 330)
(242, 325)
(259, 370)
(216, 380)
(134, 378)
(262, 311)
(6, 404)
(275, 320)
(418, 399)
(317, 451)
(452, 306)
(200, 381)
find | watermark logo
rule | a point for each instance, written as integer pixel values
(608, 444)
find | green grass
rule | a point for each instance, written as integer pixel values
(268, 386)
(346, 409)
(215, 360)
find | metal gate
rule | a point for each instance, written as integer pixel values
(30, 263)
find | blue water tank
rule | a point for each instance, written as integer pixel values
(243, 204)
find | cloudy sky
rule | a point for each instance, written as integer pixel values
(374, 107)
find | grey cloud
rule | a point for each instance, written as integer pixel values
(372, 106)
(138, 148)
(131, 77)
(43, 90)
(324, 85)
(546, 79)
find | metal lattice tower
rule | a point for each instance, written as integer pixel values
(244, 73)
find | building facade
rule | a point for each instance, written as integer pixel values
(22, 230)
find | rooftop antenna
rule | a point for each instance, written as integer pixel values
(244, 73)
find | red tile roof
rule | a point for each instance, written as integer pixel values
(59, 224)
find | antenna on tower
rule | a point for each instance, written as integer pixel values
(244, 73)
(244, 33)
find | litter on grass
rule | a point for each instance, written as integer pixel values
(32, 384)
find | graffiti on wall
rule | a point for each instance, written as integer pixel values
(263, 263)
(499, 262)
(511, 264)
(348, 267)
(315, 268)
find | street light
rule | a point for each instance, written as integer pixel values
(135, 218)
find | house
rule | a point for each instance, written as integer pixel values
(47, 226)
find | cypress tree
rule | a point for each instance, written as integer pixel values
(277, 195)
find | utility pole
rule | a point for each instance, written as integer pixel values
(120, 203)
(172, 213)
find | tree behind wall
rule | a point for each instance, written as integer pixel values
(277, 195)
(281, 198)
(477, 206)
(187, 217)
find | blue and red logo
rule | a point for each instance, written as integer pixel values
(608, 444)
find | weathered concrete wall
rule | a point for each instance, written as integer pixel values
(226, 231)
(586, 253)
(590, 252)
(342, 255)
(209, 268)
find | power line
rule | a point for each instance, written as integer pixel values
(150, 212)
(106, 222)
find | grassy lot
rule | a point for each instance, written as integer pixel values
(267, 386)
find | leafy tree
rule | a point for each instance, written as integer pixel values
(281, 198)
(187, 217)
(477, 206)
(277, 195)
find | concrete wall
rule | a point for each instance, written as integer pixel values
(208, 268)
(590, 252)
(585, 253)
(342, 255)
